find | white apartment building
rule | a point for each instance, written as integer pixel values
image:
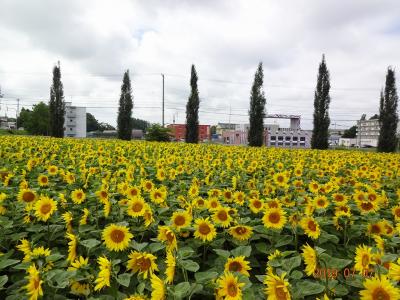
(74, 121)
(368, 133)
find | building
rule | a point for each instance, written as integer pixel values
(222, 127)
(287, 137)
(179, 132)
(368, 133)
(7, 123)
(74, 121)
(347, 142)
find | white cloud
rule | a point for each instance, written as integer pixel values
(97, 40)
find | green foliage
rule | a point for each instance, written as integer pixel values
(57, 105)
(158, 133)
(388, 116)
(124, 120)
(192, 110)
(35, 121)
(350, 133)
(320, 134)
(140, 124)
(257, 110)
(91, 123)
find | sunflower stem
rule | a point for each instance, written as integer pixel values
(48, 235)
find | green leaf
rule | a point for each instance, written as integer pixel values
(242, 251)
(90, 243)
(262, 247)
(3, 280)
(181, 290)
(222, 253)
(205, 277)
(290, 263)
(138, 246)
(296, 274)
(309, 287)
(140, 287)
(283, 241)
(185, 252)
(8, 262)
(124, 279)
(54, 257)
(261, 278)
(335, 263)
(190, 265)
(326, 237)
(154, 247)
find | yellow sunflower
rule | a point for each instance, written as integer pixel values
(396, 212)
(256, 205)
(158, 196)
(80, 289)
(27, 196)
(239, 197)
(180, 219)
(394, 271)
(43, 180)
(136, 207)
(241, 232)
(221, 217)
(310, 259)
(34, 286)
(133, 192)
(158, 290)
(83, 220)
(116, 237)
(281, 179)
(78, 263)
(72, 244)
(363, 259)
(310, 227)
(238, 264)
(277, 287)
(52, 170)
(147, 185)
(204, 230)
(274, 218)
(170, 270)
(44, 208)
(379, 288)
(103, 278)
(78, 196)
(142, 262)
(229, 287)
(321, 202)
(167, 236)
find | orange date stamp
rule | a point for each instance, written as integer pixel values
(346, 273)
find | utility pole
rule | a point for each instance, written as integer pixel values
(162, 100)
(16, 119)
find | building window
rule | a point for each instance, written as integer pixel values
(70, 128)
(273, 137)
(280, 144)
(287, 138)
(302, 138)
(295, 139)
(273, 144)
(280, 138)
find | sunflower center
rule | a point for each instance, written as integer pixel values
(235, 266)
(273, 205)
(29, 197)
(133, 192)
(339, 198)
(79, 195)
(157, 195)
(103, 194)
(397, 212)
(144, 264)
(280, 178)
(365, 260)
(240, 230)
(372, 197)
(222, 215)
(274, 217)
(375, 229)
(321, 202)
(232, 289)
(43, 179)
(214, 204)
(204, 229)
(366, 206)
(36, 283)
(380, 294)
(170, 236)
(179, 220)
(280, 293)
(45, 208)
(257, 204)
(312, 226)
(228, 195)
(117, 236)
(137, 207)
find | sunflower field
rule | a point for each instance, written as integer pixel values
(107, 219)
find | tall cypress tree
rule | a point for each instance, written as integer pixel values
(257, 110)
(388, 117)
(192, 110)
(56, 104)
(320, 134)
(125, 109)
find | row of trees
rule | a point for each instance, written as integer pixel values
(387, 111)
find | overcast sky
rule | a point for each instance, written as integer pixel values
(95, 41)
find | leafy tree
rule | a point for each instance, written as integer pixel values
(375, 116)
(91, 123)
(36, 122)
(213, 129)
(105, 126)
(388, 117)
(257, 110)
(140, 124)
(350, 133)
(320, 134)
(57, 104)
(158, 133)
(192, 110)
(23, 117)
(124, 120)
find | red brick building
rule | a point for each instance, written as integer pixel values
(179, 132)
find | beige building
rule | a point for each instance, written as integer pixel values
(368, 133)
